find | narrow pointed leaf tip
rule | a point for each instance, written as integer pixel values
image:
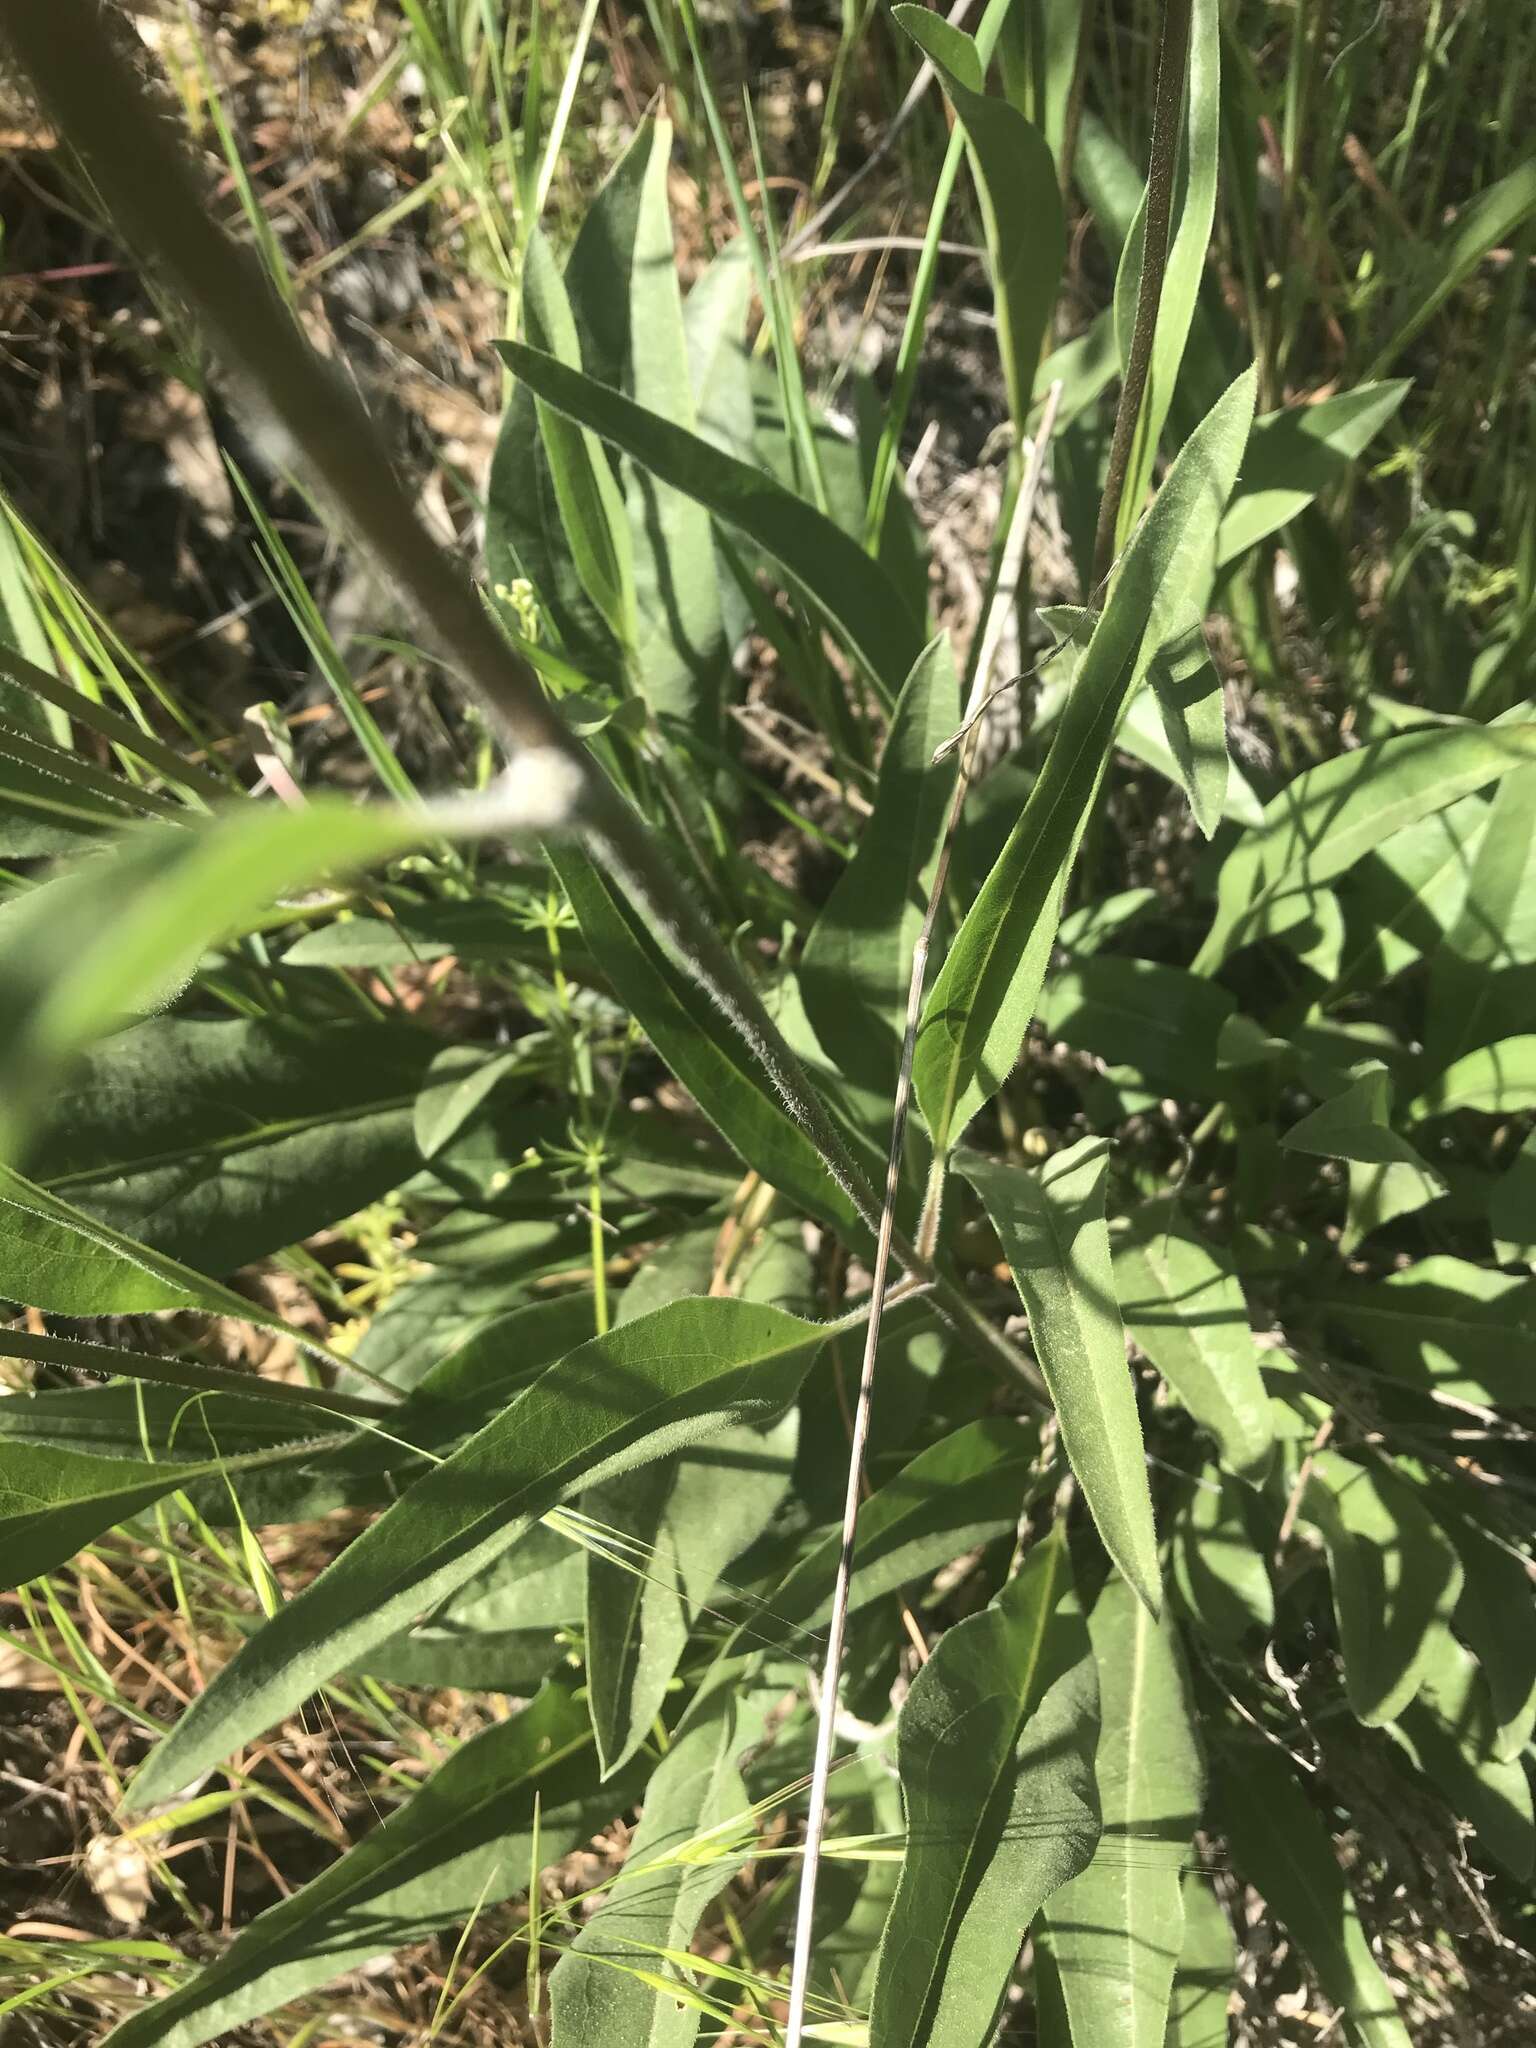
(1057, 1244)
(986, 994)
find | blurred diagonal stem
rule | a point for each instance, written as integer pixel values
(84, 64)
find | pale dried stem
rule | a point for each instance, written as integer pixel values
(795, 247)
(816, 1817)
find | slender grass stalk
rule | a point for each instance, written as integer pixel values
(562, 115)
(796, 248)
(856, 18)
(125, 737)
(910, 348)
(263, 234)
(816, 1816)
(797, 419)
(1173, 57)
(781, 320)
(909, 351)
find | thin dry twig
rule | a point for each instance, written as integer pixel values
(869, 245)
(811, 770)
(920, 84)
(815, 1824)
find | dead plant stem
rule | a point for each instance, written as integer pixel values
(815, 1825)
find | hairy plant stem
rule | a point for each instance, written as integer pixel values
(307, 418)
(1167, 106)
(816, 1816)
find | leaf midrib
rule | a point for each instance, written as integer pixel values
(1023, 1694)
(229, 1146)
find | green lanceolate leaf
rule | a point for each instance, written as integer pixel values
(1450, 1729)
(1159, 1020)
(1188, 1315)
(684, 1026)
(150, 1423)
(1388, 1176)
(683, 1853)
(455, 1093)
(994, 1747)
(1409, 891)
(857, 961)
(1496, 1614)
(55, 1258)
(719, 365)
(1379, 1195)
(1037, 63)
(1355, 1123)
(1334, 815)
(489, 929)
(1218, 1568)
(663, 1536)
(448, 1340)
(985, 995)
(502, 1629)
(1496, 927)
(852, 592)
(1116, 1930)
(617, 316)
(121, 932)
(1282, 1848)
(1143, 734)
(1021, 208)
(961, 1492)
(1193, 708)
(1481, 225)
(1446, 1326)
(586, 492)
(645, 1389)
(219, 1143)
(1188, 244)
(463, 1841)
(1057, 1245)
(54, 1502)
(1395, 1577)
(1296, 454)
(625, 289)
(1202, 1984)
(1497, 1079)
